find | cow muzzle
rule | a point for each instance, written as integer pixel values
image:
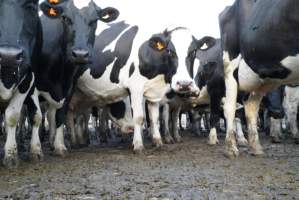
(80, 56)
(11, 56)
(187, 88)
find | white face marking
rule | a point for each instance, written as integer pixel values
(181, 40)
(81, 3)
(204, 47)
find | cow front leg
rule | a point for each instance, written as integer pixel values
(215, 117)
(165, 117)
(12, 116)
(138, 120)
(275, 130)
(153, 109)
(35, 117)
(59, 145)
(174, 121)
(242, 141)
(230, 106)
(251, 111)
(52, 124)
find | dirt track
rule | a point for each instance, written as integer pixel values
(190, 170)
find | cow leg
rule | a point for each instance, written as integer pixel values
(12, 116)
(52, 124)
(35, 116)
(59, 146)
(153, 109)
(138, 119)
(291, 112)
(80, 130)
(240, 134)
(71, 128)
(251, 111)
(167, 136)
(215, 118)
(275, 130)
(230, 106)
(174, 119)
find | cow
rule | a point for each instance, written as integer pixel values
(118, 112)
(144, 66)
(260, 52)
(20, 46)
(68, 46)
(273, 106)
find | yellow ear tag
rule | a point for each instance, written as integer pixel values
(160, 46)
(53, 1)
(52, 12)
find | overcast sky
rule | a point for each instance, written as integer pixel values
(201, 16)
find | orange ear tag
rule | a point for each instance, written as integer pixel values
(52, 12)
(160, 46)
(53, 1)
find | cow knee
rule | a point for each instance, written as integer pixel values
(11, 117)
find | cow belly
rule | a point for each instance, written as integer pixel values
(248, 79)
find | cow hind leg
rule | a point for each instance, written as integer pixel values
(214, 119)
(165, 117)
(153, 109)
(35, 117)
(59, 145)
(241, 140)
(275, 130)
(251, 111)
(174, 121)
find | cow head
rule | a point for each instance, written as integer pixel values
(20, 39)
(80, 24)
(185, 45)
(157, 56)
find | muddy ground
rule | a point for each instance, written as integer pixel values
(189, 170)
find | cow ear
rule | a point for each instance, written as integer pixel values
(209, 69)
(51, 10)
(205, 43)
(108, 14)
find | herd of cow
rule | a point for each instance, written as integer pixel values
(63, 57)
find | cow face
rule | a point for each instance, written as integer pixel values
(186, 46)
(80, 24)
(19, 31)
(158, 56)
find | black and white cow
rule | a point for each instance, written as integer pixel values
(20, 46)
(261, 52)
(68, 45)
(132, 62)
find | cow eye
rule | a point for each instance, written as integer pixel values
(31, 6)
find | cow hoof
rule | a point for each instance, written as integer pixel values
(256, 152)
(178, 139)
(158, 142)
(36, 157)
(242, 142)
(275, 140)
(231, 150)
(138, 150)
(61, 151)
(11, 161)
(169, 140)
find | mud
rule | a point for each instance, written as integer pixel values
(189, 170)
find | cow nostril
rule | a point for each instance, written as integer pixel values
(80, 53)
